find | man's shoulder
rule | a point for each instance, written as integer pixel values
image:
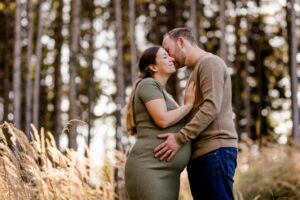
(212, 58)
(211, 63)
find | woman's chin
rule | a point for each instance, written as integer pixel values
(172, 72)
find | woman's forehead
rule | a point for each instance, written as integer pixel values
(162, 51)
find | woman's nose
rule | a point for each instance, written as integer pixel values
(171, 58)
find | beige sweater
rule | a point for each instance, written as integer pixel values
(210, 124)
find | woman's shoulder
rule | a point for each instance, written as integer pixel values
(148, 82)
(149, 86)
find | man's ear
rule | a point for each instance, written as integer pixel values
(180, 42)
(153, 68)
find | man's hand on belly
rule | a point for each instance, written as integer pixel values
(167, 149)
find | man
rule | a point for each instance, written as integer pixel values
(210, 126)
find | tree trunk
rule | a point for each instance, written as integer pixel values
(247, 99)
(17, 66)
(120, 98)
(247, 87)
(260, 123)
(133, 50)
(36, 98)
(29, 71)
(237, 75)
(293, 45)
(7, 61)
(193, 18)
(223, 31)
(91, 71)
(57, 75)
(75, 36)
(200, 25)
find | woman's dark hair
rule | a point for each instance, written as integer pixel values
(148, 58)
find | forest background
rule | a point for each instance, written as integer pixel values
(67, 67)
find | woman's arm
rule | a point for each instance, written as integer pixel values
(164, 118)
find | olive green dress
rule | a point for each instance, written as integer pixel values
(146, 177)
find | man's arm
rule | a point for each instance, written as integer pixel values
(211, 83)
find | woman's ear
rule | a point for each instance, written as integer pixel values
(153, 68)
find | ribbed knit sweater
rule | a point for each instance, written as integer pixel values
(210, 124)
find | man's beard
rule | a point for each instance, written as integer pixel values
(180, 58)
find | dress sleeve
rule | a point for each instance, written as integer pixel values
(149, 90)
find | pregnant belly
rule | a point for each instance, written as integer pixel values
(142, 156)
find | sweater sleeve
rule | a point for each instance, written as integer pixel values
(211, 79)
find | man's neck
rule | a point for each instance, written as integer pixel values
(194, 56)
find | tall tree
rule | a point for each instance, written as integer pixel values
(237, 75)
(247, 87)
(223, 31)
(36, 97)
(120, 98)
(74, 63)
(91, 70)
(193, 19)
(293, 45)
(258, 63)
(260, 46)
(7, 60)
(29, 71)
(17, 66)
(133, 51)
(58, 23)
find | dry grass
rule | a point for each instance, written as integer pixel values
(271, 173)
(38, 170)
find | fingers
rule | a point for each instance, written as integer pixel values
(160, 153)
(162, 136)
(166, 150)
(171, 155)
(166, 155)
(160, 147)
(191, 86)
(194, 87)
(190, 91)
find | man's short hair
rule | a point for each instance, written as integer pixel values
(186, 33)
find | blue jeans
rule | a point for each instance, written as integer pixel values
(211, 175)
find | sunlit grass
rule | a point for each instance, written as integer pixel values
(271, 173)
(38, 170)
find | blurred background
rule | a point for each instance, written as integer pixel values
(68, 66)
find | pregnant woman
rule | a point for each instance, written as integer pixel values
(152, 111)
